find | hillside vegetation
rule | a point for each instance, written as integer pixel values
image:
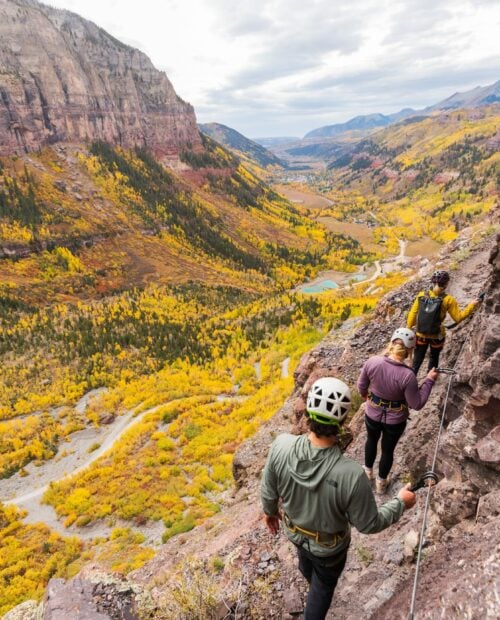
(77, 223)
(172, 289)
(424, 177)
(175, 464)
(249, 151)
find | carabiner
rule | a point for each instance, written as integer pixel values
(446, 371)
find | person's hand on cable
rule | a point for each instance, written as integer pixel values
(273, 523)
(433, 374)
(407, 497)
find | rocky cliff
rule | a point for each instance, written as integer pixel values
(256, 574)
(63, 79)
(460, 572)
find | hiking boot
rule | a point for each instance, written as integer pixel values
(369, 472)
(381, 485)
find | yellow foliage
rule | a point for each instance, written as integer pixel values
(29, 556)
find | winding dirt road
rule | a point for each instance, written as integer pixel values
(76, 460)
(26, 492)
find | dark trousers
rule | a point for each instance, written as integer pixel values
(421, 350)
(390, 437)
(322, 575)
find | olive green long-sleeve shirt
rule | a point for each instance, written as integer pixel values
(322, 490)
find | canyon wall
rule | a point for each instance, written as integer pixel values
(64, 79)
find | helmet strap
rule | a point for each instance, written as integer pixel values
(323, 419)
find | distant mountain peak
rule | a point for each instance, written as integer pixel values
(362, 122)
(234, 140)
(476, 97)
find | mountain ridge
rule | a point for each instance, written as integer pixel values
(479, 96)
(245, 147)
(476, 97)
(64, 79)
(362, 122)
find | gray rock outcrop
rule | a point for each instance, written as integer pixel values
(64, 79)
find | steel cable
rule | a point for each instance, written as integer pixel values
(427, 499)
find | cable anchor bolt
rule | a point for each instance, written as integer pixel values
(429, 479)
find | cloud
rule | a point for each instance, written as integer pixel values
(287, 38)
(414, 54)
(286, 66)
(248, 24)
(382, 91)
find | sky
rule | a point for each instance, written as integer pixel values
(285, 67)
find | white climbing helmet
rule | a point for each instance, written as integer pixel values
(328, 401)
(406, 335)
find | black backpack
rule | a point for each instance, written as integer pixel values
(429, 315)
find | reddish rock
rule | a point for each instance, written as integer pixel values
(70, 600)
(107, 418)
(488, 448)
(459, 580)
(70, 81)
(452, 502)
(389, 173)
(445, 177)
(488, 507)
(292, 604)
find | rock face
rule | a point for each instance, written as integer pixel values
(63, 79)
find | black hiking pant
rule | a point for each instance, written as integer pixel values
(421, 349)
(322, 575)
(390, 437)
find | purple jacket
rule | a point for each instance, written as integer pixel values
(392, 380)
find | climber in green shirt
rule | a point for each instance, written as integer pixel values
(322, 494)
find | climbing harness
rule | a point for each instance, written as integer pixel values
(436, 343)
(429, 480)
(392, 405)
(324, 539)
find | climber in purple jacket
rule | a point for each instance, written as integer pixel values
(390, 387)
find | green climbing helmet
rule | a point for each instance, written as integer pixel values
(328, 401)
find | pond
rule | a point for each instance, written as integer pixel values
(359, 278)
(320, 287)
